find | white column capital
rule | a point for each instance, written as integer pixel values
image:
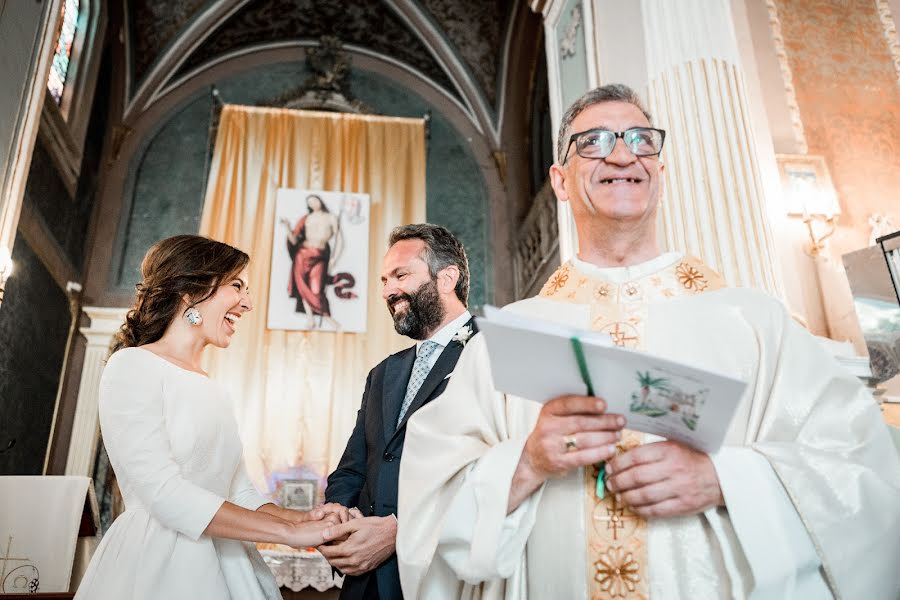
(105, 323)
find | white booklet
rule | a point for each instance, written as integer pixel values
(539, 360)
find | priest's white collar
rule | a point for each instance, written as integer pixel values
(630, 273)
(445, 334)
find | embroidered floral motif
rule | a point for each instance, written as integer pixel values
(618, 573)
(656, 280)
(602, 291)
(558, 280)
(691, 278)
(582, 281)
(632, 290)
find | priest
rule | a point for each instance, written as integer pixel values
(499, 496)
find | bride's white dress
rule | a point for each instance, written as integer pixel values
(173, 442)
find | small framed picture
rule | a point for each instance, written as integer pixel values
(807, 185)
(299, 494)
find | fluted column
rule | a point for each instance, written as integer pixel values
(714, 206)
(105, 322)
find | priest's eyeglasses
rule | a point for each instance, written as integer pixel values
(599, 143)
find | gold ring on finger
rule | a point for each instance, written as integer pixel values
(571, 443)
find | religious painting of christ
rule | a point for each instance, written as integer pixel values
(320, 256)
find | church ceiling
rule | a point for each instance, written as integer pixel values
(367, 23)
(155, 23)
(474, 28)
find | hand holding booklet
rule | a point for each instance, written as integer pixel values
(539, 360)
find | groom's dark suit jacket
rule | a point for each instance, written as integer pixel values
(368, 473)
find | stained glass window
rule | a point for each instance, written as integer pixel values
(57, 81)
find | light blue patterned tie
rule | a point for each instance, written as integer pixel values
(417, 378)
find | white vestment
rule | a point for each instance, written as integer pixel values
(810, 477)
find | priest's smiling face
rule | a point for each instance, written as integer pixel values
(411, 293)
(621, 187)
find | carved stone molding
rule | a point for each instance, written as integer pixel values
(63, 150)
(328, 85)
(788, 78)
(568, 46)
(890, 33)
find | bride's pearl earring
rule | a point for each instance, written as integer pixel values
(193, 316)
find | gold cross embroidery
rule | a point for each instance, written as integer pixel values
(615, 518)
(620, 337)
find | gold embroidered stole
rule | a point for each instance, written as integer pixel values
(616, 537)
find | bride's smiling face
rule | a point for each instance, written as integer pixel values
(222, 312)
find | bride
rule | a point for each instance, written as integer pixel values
(190, 508)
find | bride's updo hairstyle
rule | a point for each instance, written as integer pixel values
(179, 266)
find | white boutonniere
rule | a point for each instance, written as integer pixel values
(462, 336)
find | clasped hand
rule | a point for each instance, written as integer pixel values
(360, 544)
(307, 527)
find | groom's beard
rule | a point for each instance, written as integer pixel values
(424, 314)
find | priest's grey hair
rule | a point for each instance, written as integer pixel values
(614, 92)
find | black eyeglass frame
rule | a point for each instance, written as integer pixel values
(618, 134)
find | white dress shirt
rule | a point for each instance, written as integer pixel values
(444, 336)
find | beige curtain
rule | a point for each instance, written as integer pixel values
(296, 393)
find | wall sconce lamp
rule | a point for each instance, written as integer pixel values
(817, 240)
(6, 268)
(809, 193)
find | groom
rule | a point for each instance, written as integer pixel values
(425, 282)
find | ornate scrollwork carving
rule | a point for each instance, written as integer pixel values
(567, 45)
(787, 77)
(538, 240)
(327, 87)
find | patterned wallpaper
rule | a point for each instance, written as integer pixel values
(34, 324)
(850, 105)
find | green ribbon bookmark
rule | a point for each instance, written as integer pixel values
(600, 488)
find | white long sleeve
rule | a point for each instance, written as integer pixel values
(134, 432)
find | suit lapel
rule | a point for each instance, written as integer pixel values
(396, 376)
(445, 364)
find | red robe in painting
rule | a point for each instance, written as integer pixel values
(309, 273)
